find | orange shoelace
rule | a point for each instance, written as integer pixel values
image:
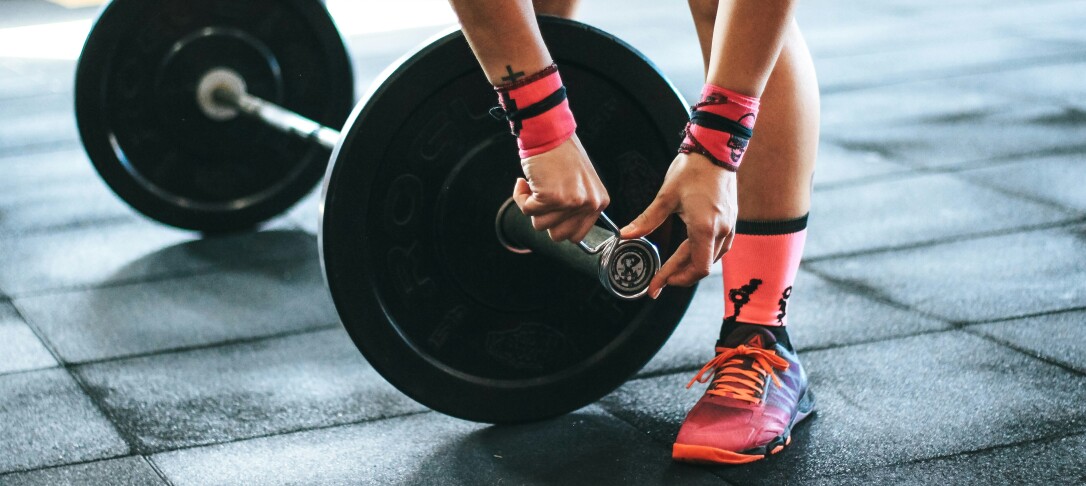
(734, 376)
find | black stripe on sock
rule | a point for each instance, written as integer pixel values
(779, 332)
(767, 228)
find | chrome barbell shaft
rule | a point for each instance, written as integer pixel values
(222, 94)
(280, 118)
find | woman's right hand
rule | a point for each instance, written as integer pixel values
(561, 192)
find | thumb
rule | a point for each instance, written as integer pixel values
(648, 221)
(521, 193)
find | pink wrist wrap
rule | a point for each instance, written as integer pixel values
(720, 127)
(537, 110)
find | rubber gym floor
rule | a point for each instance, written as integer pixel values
(940, 308)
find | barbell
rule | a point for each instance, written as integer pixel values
(439, 279)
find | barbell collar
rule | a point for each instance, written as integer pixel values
(623, 267)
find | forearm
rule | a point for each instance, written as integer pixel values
(746, 42)
(504, 36)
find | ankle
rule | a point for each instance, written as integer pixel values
(779, 332)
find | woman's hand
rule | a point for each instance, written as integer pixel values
(704, 196)
(561, 192)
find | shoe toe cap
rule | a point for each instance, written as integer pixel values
(733, 429)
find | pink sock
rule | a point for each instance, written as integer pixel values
(760, 269)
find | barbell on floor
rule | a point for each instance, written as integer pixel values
(426, 287)
(182, 106)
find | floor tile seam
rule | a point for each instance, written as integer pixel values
(950, 73)
(884, 46)
(47, 149)
(1053, 312)
(1027, 352)
(869, 292)
(1033, 35)
(105, 222)
(977, 182)
(906, 173)
(151, 452)
(913, 170)
(6, 374)
(37, 95)
(978, 235)
(972, 452)
(905, 23)
(954, 324)
(47, 467)
(49, 146)
(654, 440)
(245, 341)
(96, 401)
(158, 470)
(260, 264)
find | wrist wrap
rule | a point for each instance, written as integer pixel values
(537, 111)
(720, 127)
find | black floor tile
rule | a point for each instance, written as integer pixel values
(127, 471)
(915, 210)
(587, 447)
(981, 279)
(131, 252)
(235, 304)
(242, 391)
(1058, 337)
(19, 346)
(47, 420)
(1057, 179)
(1014, 130)
(1054, 461)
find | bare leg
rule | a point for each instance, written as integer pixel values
(558, 8)
(775, 178)
(747, 41)
(504, 36)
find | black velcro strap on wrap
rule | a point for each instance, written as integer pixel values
(716, 122)
(552, 100)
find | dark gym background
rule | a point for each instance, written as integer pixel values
(941, 309)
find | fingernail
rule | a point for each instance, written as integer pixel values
(657, 293)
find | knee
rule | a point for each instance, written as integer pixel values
(558, 8)
(704, 9)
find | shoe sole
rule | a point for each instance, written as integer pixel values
(711, 455)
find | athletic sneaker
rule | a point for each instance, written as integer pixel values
(757, 392)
